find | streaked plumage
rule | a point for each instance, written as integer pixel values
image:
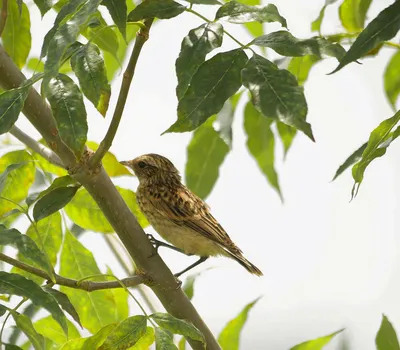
(178, 215)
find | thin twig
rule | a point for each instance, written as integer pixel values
(35, 146)
(209, 21)
(3, 16)
(105, 145)
(88, 286)
(127, 270)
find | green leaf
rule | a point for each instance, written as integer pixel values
(163, 9)
(286, 44)
(352, 14)
(316, 344)
(214, 82)
(188, 286)
(383, 27)
(261, 143)
(52, 330)
(164, 340)
(16, 37)
(103, 36)
(26, 247)
(177, 326)
(225, 118)
(110, 162)
(204, 2)
(276, 94)
(11, 104)
(66, 9)
(202, 166)
(4, 175)
(121, 297)
(353, 158)
(316, 24)
(66, 34)
(90, 70)
(69, 112)
(235, 12)
(3, 309)
(53, 202)
(16, 187)
(300, 67)
(84, 211)
(43, 5)
(380, 138)
(12, 347)
(63, 181)
(25, 324)
(195, 46)
(386, 338)
(229, 336)
(35, 65)
(126, 334)
(117, 10)
(287, 135)
(145, 341)
(90, 343)
(11, 283)
(182, 344)
(95, 309)
(392, 79)
(65, 303)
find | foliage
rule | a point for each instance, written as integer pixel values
(210, 85)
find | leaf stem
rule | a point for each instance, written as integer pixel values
(8, 316)
(3, 16)
(209, 21)
(105, 145)
(88, 286)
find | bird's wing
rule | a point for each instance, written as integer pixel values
(184, 208)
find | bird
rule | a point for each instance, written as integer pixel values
(178, 215)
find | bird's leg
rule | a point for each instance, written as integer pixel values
(198, 262)
(156, 243)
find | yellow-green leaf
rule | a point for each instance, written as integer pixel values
(52, 330)
(84, 211)
(96, 309)
(16, 36)
(230, 335)
(110, 162)
(16, 187)
(386, 338)
(316, 344)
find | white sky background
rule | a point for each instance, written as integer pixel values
(328, 263)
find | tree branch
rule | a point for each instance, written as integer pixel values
(88, 286)
(103, 191)
(105, 145)
(46, 153)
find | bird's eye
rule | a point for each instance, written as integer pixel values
(142, 165)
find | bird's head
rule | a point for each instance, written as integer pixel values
(152, 167)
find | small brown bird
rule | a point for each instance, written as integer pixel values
(178, 215)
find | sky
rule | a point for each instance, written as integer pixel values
(328, 263)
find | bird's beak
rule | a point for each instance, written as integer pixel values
(126, 163)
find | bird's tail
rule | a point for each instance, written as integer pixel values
(245, 263)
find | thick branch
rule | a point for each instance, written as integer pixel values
(88, 286)
(35, 146)
(105, 145)
(125, 224)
